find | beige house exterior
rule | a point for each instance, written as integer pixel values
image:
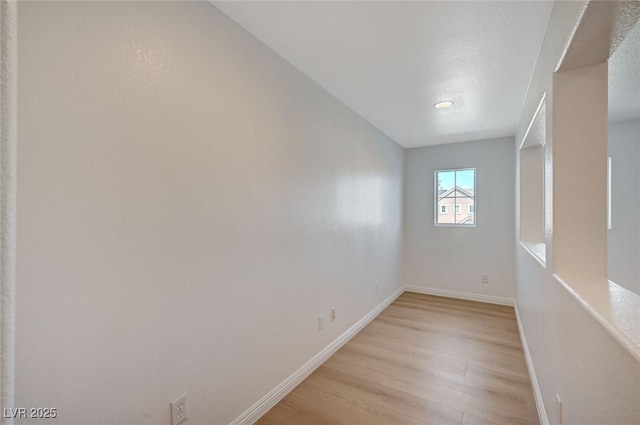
(456, 206)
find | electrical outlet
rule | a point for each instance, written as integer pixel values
(320, 322)
(560, 414)
(333, 314)
(179, 410)
(485, 278)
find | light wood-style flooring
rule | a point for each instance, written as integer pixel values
(423, 360)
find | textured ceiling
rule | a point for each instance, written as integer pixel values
(391, 61)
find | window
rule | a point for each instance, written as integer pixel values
(455, 190)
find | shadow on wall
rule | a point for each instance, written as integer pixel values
(623, 236)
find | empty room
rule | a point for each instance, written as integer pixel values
(320, 212)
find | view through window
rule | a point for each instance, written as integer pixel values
(455, 197)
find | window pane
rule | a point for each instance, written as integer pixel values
(465, 180)
(446, 181)
(445, 211)
(466, 207)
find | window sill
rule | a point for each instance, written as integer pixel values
(616, 308)
(537, 250)
(454, 225)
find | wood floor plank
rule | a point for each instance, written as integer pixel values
(470, 351)
(468, 419)
(455, 388)
(393, 402)
(425, 360)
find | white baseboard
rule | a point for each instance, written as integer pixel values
(542, 413)
(460, 295)
(261, 407)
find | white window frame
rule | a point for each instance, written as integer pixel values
(435, 197)
(456, 210)
(469, 207)
(443, 209)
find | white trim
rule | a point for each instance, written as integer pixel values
(490, 299)
(533, 118)
(254, 413)
(537, 394)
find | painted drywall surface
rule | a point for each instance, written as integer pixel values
(8, 172)
(579, 148)
(573, 355)
(455, 258)
(532, 183)
(597, 380)
(189, 204)
(623, 248)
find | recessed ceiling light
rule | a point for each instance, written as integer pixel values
(443, 104)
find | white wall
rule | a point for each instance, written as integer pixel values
(623, 248)
(455, 258)
(189, 203)
(579, 148)
(573, 355)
